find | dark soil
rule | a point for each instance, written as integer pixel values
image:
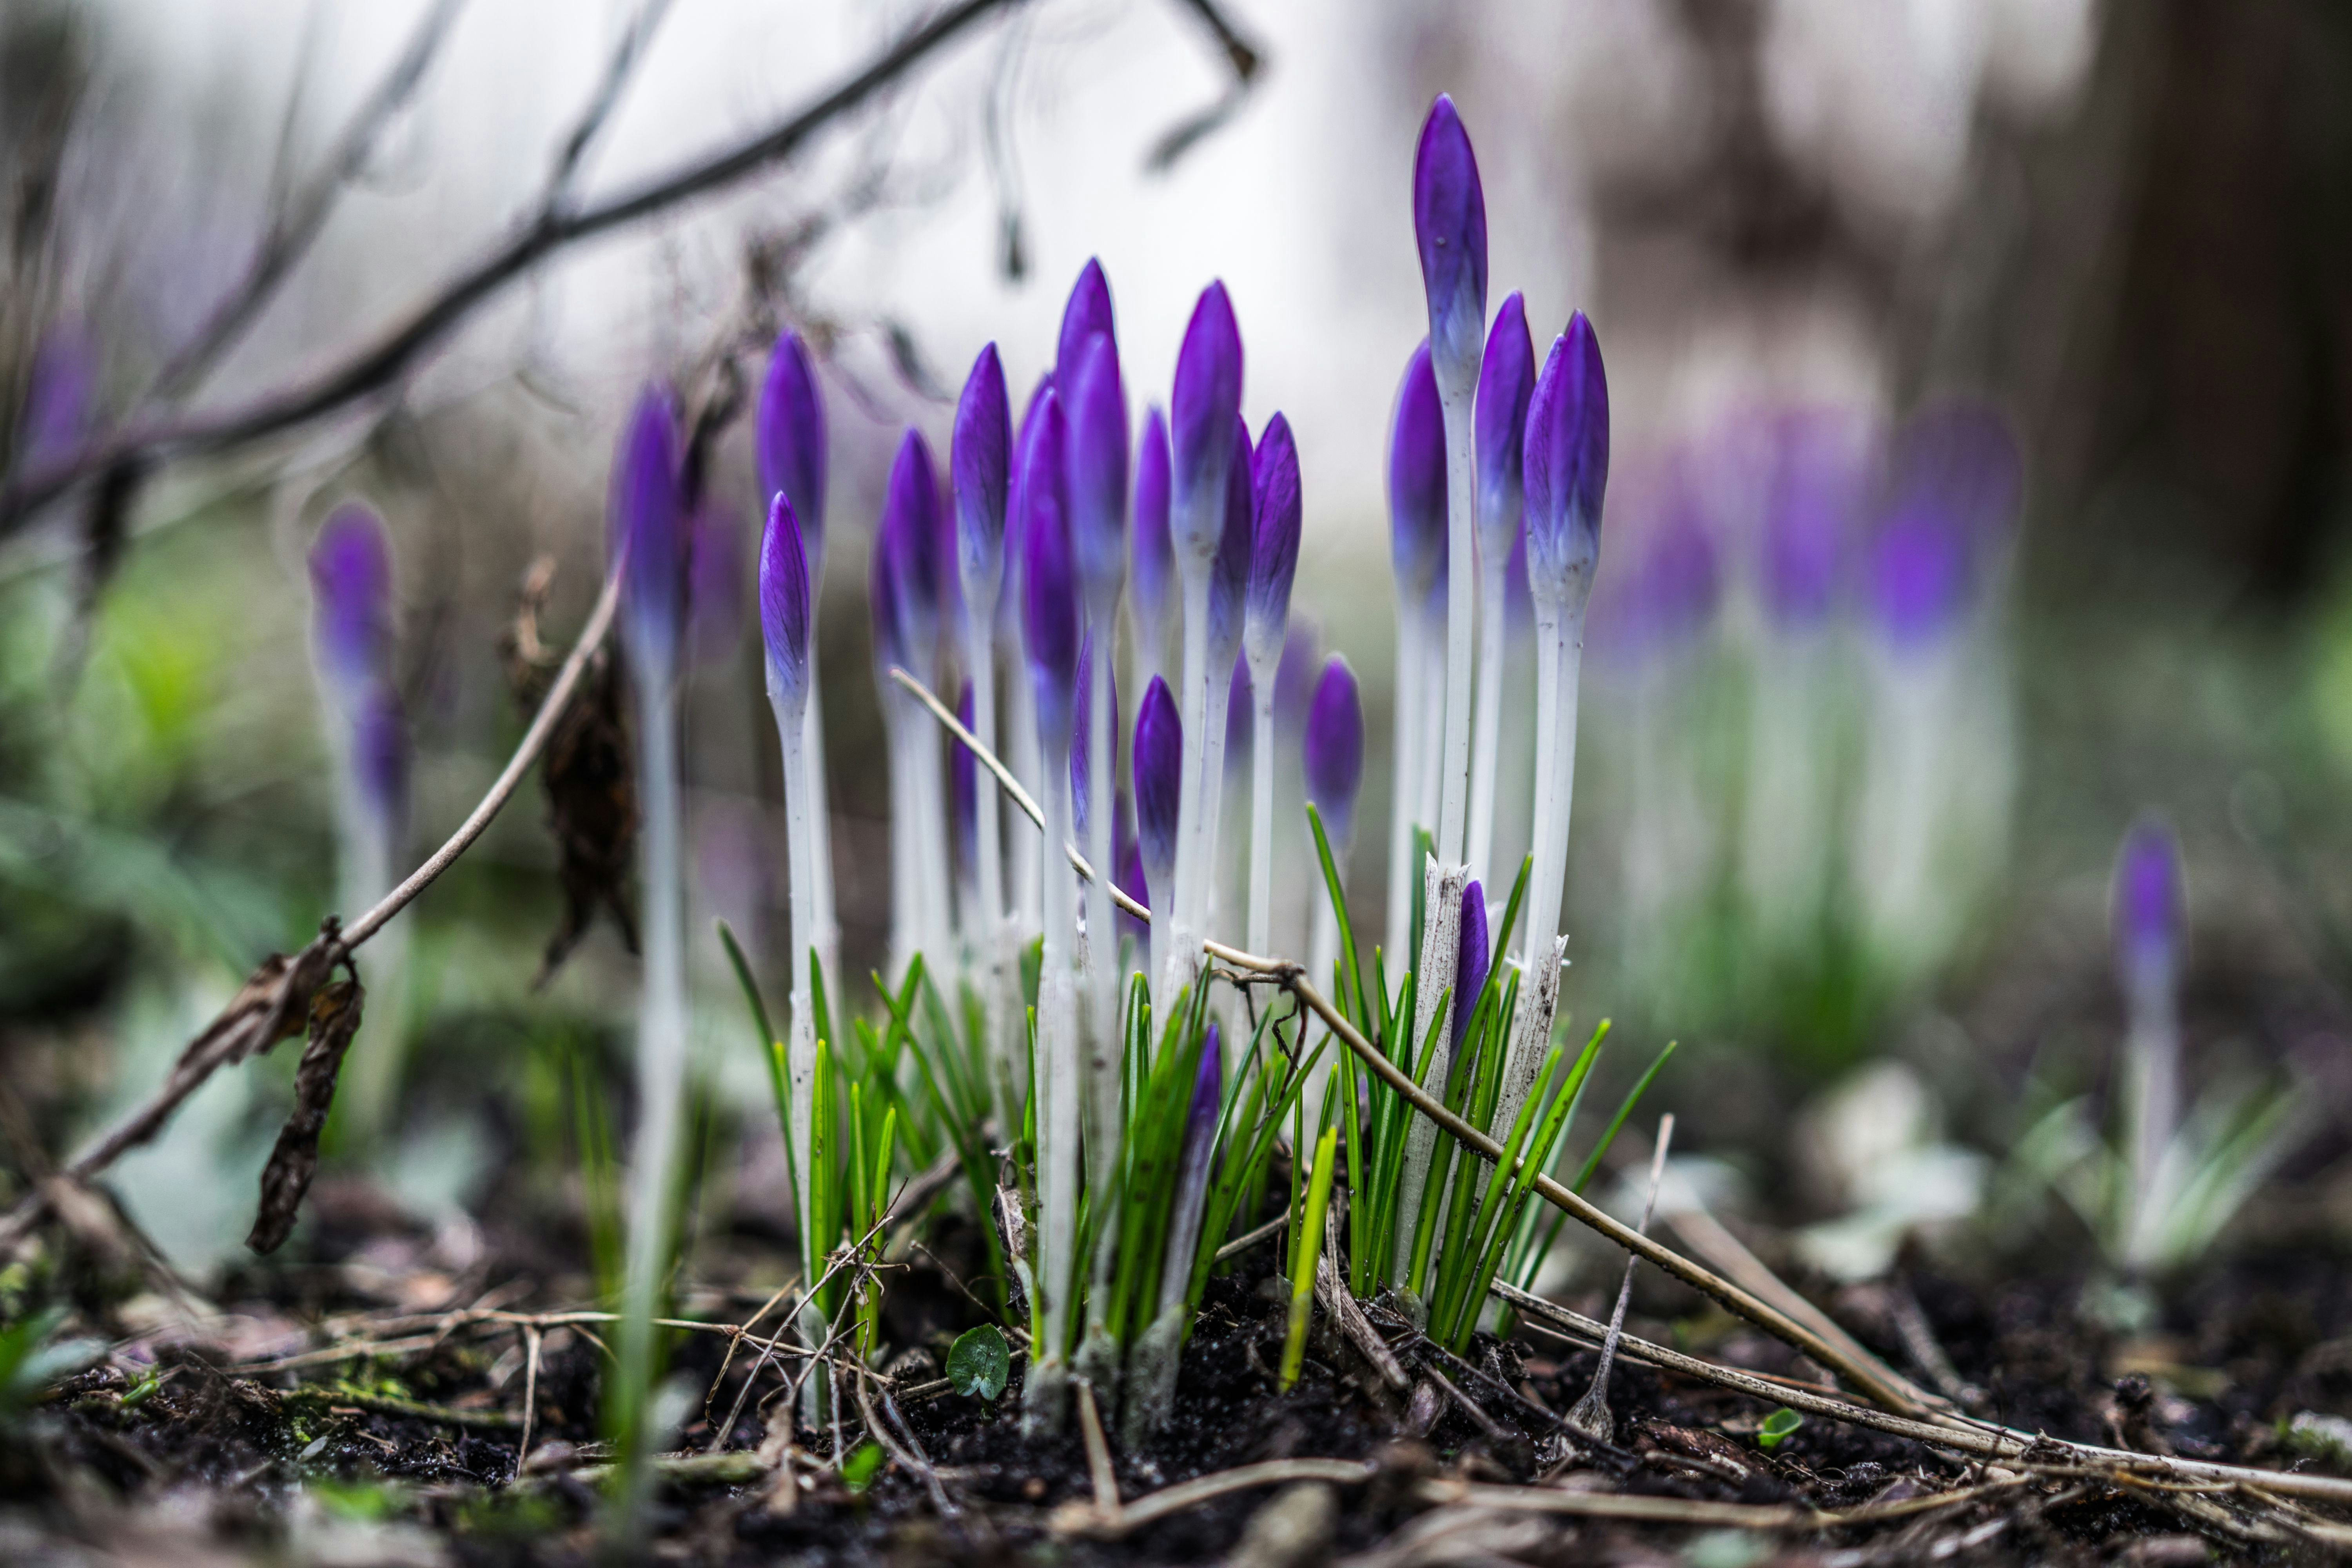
(410, 1456)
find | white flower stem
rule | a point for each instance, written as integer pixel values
(1261, 853)
(1433, 979)
(1058, 1088)
(1455, 398)
(801, 833)
(824, 926)
(1022, 845)
(1193, 866)
(1560, 657)
(1404, 787)
(661, 1064)
(1487, 740)
(1006, 1051)
(1102, 1023)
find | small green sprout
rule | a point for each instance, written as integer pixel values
(858, 1470)
(978, 1362)
(1777, 1428)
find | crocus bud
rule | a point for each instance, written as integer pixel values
(714, 590)
(1132, 881)
(1274, 546)
(788, 438)
(1151, 572)
(979, 459)
(1808, 509)
(2149, 909)
(1229, 571)
(1201, 1127)
(1566, 467)
(1334, 749)
(1157, 765)
(1449, 221)
(784, 603)
(60, 394)
(1081, 722)
(351, 579)
(1097, 474)
(1016, 508)
(882, 609)
(1208, 399)
(1955, 486)
(1417, 480)
(910, 519)
(1471, 962)
(1295, 677)
(648, 519)
(1085, 316)
(1920, 576)
(1049, 609)
(1507, 380)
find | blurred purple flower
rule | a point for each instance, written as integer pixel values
(1097, 474)
(60, 397)
(2150, 911)
(1449, 224)
(1229, 571)
(647, 520)
(350, 583)
(1132, 881)
(1416, 477)
(379, 758)
(1273, 542)
(1335, 750)
(1810, 504)
(1151, 575)
(788, 441)
(1294, 677)
(1086, 314)
(714, 591)
(1953, 489)
(1207, 401)
(919, 552)
(1200, 1135)
(1676, 581)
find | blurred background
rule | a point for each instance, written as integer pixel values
(1981, 374)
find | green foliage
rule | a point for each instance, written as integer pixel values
(863, 1463)
(32, 1358)
(980, 1362)
(1778, 1427)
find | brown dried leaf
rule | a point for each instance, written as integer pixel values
(334, 1018)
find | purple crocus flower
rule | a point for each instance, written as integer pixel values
(1016, 508)
(978, 459)
(351, 579)
(1955, 485)
(1200, 1142)
(1098, 474)
(1473, 958)
(1294, 677)
(1507, 380)
(1565, 466)
(1965, 455)
(648, 519)
(1807, 510)
(1334, 749)
(714, 591)
(1274, 545)
(882, 611)
(1132, 881)
(785, 600)
(60, 395)
(1151, 555)
(1207, 401)
(1081, 721)
(1238, 715)
(911, 520)
(788, 441)
(1677, 576)
(1157, 767)
(1920, 575)
(1086, 315)
(1417, 479)
(2150, 909)
(1049, 609)
(1229, 571)
(1449, 224)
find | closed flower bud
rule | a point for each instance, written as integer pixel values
(1208, 399)
(979, 461)
(1449, 222)
(1566, 467)
(1507, 380)
(1156, 763)
(789, 440)
(648, 521)
(784, 598)
(1098, 475)
(1274, 549)
(1417, 480)
(1049, 608)
(1334, 748)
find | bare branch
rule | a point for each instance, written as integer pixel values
(299, 222)
(626, 54)
(1247, 60)
(380, 364)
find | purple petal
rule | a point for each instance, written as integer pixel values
(1208, 399)
(882, 609)
(1294, 677)
(1239, 715)
(1416, 477)
(2148, 905)
(1472, 959)
(379, 757)
(1335, 748)
(963, 786)
(1229, 571)
(1049, 609)
(1131, 882)
(1200, 1125)
(1086, 314)
(1016, 510)
(1810, 508)
(1566, 460)
(1156, 763)
(979, 458)
(789, 440)
(1098, 475)
(1152, 574)
(1449, 222)
(784, 593)
(714, 594)
(647, 518)
(912, 521)
(350, 583)
(1507, 380)
(60, 395)
(1274, 547)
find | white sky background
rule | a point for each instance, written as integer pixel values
(1300, 203)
